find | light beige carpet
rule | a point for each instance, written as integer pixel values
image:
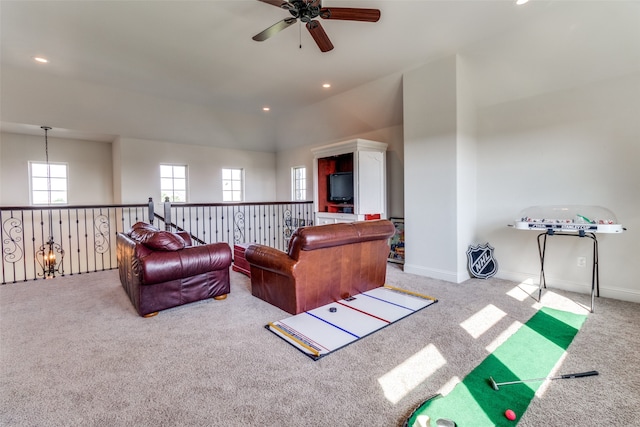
(73, 352)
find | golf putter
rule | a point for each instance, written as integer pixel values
(496, 386)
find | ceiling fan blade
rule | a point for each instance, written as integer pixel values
(277, 3)
(350, 14)
(282, 4)
(274, 29)
(319, 35)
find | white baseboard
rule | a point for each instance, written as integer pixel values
(449, 276)
(583, 288)
(552, 283)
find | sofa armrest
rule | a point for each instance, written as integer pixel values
(128, 253)
(270, 259)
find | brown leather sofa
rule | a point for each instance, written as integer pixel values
(323, 264)
(160, 270)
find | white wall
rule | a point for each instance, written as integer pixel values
(90, 168)
(140, 173)
(116, 155)
(575, 146)
(466, 169)
(127, 171)
(288, 159)
(430, 146)
(1, 180)
(569, 147)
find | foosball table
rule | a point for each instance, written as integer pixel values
(577, 221)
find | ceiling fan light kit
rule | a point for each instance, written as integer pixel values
(307, 11)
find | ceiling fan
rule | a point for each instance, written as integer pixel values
(307, 11)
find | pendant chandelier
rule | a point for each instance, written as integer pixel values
(47, 254)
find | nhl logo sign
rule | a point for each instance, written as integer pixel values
(482, 264)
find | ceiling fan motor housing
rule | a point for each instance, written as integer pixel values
(304, 11)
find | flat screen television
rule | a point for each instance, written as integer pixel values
(341, 187)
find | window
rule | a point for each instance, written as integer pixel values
(173, 183)
(232, 184)
(48, 183)
(299, 183)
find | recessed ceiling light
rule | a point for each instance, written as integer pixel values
(266, 109)
(519, 2)
(40, 59)
(326, 85)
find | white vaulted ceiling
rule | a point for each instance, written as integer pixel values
(201, 52)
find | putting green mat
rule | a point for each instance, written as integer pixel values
(531, 352)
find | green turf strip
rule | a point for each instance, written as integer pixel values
(531, 352)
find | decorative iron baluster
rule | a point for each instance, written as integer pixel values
(103, 229)
(85, 231)
(288, 225)
(12, 249)
(238, 227)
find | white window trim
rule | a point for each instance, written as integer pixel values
(36, 162)
(242, 184)
(293, 182)
(186, 181)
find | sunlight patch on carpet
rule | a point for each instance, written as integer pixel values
(527, 289)
(482, 321)
(559, 302)
(402, 379)
(522, 291)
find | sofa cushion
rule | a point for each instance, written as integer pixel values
(165, 241)
(158, 240)
(141, 224)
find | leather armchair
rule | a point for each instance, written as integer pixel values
(323, 264)
(160, 270)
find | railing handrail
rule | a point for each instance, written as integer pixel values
(293, 202)
(138, 205)
(55, 207)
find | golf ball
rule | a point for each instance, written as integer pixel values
(510, 414)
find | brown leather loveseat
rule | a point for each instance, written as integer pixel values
(159, 269)
(323, 264)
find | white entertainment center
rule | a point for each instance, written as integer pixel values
(360, 163)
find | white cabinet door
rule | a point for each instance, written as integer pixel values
(370, 185)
